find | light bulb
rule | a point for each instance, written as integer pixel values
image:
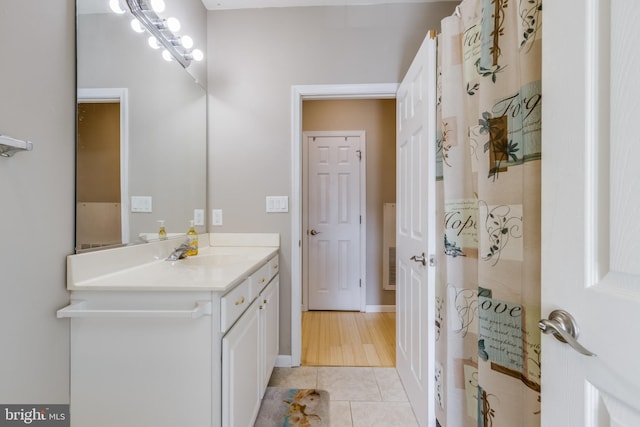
(173, 25)
(157, 6)
(197, 54)
(115, 6)
(187, 42)
(166, 55)
(137, 26)
(153, 42)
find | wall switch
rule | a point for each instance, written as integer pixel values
(198, 217)
(216, 216)
(277, 203)
(141, 204)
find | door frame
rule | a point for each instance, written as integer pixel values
(298, 94)
(363, 210)
(120, 95)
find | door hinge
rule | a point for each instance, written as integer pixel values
(360, 282)
(359, 154)
(360, 219)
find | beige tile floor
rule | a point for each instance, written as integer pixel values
(360, 397)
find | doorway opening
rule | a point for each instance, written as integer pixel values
(302, 94)
(102, 169)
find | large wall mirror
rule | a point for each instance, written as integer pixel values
(141, 145)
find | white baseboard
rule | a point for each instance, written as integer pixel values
(283, 361)
(380, 308)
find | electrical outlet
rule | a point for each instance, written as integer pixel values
(216, 217)
(198, 217)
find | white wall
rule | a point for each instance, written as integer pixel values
(255, 56)
(37, 102)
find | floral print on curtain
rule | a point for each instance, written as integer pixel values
(488, 198)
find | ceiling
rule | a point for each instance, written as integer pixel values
(258, 4)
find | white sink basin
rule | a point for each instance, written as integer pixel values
(214, 268)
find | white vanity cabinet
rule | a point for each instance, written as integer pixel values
(141, 360)
(245, 375)
(175, 350)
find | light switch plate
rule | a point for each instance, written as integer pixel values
(141, 204)
(277, 203)
(216, 216)
(198, 217)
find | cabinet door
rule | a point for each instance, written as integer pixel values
(241, 371)
(269, 329)
(145, 371)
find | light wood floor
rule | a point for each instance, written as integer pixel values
(344, 338)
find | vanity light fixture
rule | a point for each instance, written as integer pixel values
(187, 42)
(163, 31)
(173, 25)
(153, 42)
(197, 55)
(137, 26)
(115, 7)
(157, 6)
(10, 146)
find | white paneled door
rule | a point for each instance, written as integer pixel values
(334, 220)
(415, 228)
(591, 236)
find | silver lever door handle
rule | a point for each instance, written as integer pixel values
(419, 258)
(314, 232)
(563, 326)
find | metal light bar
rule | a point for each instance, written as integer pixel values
(149, 19)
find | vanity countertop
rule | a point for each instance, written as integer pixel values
(143, 267)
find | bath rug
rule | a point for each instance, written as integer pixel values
(293, 407)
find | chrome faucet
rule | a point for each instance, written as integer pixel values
(181, 251)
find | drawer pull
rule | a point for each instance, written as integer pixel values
(240, 301)
(275, 266)
(262, 280)
(265, 301)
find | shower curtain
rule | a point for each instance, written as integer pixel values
(488, 207)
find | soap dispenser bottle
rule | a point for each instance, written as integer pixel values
(162, 233)
(193, 240)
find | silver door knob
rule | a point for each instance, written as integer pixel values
(563, 326)
(419, 258)
(314, 232)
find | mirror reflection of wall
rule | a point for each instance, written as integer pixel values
(166, 133)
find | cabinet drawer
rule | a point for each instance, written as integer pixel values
(233, 304)
(259, 279)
